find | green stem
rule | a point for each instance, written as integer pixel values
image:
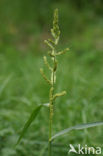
(50, 132)
(51, 112)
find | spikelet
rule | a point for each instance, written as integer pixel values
(47, 64)
(55, 30)
(44, 76)
(49, 44)
(62, 52)
(59, 94)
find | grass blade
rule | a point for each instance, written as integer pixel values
(28, 123)
(3, 86)
(77, 127)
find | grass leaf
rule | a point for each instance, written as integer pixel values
(77, 127)
(3, 86)
(28, 123)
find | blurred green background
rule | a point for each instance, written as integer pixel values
(24, 24)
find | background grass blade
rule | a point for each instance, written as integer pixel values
(4, 84)
(30, 120)
(78, 127)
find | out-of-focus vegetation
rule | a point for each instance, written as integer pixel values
(23, 27)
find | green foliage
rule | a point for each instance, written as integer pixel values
(81, 76)
(22, 29)
(28, 123)
(52, 96)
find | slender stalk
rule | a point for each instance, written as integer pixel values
(50, 127)
(50, 134)
(51, 107)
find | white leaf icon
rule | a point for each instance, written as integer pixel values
(72, 149)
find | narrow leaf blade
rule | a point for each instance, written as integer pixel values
(5, 83)
(77, 127)
(29, 121)
(88, 125)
